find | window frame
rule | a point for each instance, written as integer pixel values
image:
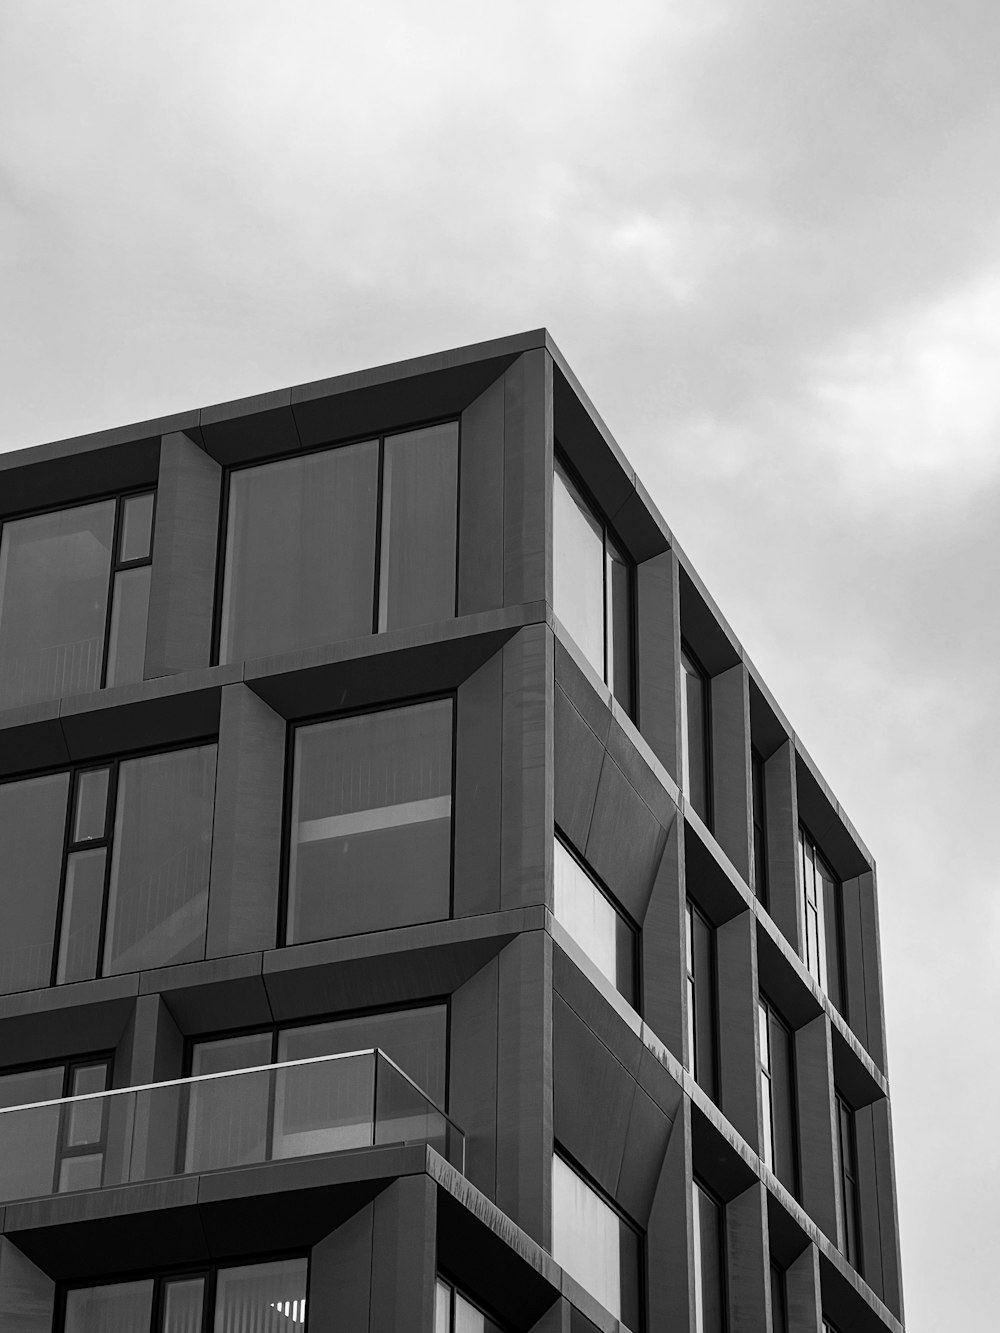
(329, 446)
(609, 536)
(635, 932)
(288, 797)
(116, 566)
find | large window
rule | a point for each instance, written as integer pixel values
(74, 593)
(709, 1262)
(701, 1008)
(264, 1298)
(695, 763)
(820, 919)
(847, 1184)
(595, 1244)
(777, 1095)
(321, 1107)
(592, 587)
(594, 921)
(370, 836)
(326, 546)
(61, 1147)
(105, 869)
(455, 1313)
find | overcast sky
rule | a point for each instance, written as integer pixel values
(767, 238)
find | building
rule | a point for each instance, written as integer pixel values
(415, 911)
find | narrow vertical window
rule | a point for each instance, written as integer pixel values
(759, 825)
(131, 575)
(32, 827)
(594, 921)
(85, 878)
(709, 1263)
(847, 1184)
(777, 1088)
(820, 920)
(701, 999)
(695, 764)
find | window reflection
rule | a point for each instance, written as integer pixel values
(594, 922)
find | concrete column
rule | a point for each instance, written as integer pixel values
(528, 766)
(185, 542)
(802, 1290)
(340, 1276)
(782, 816)
(739, 1057)
(670, 1233)
(658, 639)
(885, 1187)
(528, 453)
(732, 813)
(664, 998)
(478, 767)
(27, 1295)
(748, 1260)
(246, 838)
(404, 1257)
(151, 1048)
(817, 1123)
(856, 1007)
(872, 952)
(480, 507)
(473, 1066)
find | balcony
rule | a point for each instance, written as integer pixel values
(301, 1108)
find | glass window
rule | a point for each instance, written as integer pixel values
(820, 920)
(709, 1263)
(70, 581)
(847, 1184)
(370, 843)
(777, 1089)
(695, 766)
(455, 1313)
(595, 1244)
(118, 1307)
(594, 922)
(701, 1012)
(53, 1149)
(261, 1296)
(759, 826)
(592, 587)
(32, 825)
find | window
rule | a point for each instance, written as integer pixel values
(820, 920)
(110, 864)
(759, 825)
(701, 1021)
(709, 1263)
(455, 1313)
(595, 922)
(267, 1297)
(74, 593)
(695, 765)
(326, 546)
(61, 1148)
(595, 1244)
(779, 1299)
(847, 1184)
(777, 1095)
(323, 1107)
(370, 837)
(592, 591)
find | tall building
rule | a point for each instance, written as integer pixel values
(415, 911)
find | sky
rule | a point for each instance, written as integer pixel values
(765, 235)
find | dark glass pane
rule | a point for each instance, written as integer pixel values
(158, 896)
(300, 552)
(54, 572)
(119, 1307)
(831, 921)
(783, 1103)
(183, 1302)
(416, 1039)
(710, 1274)
(137, 527)
(578, 569)
(90, 817)
(694, 736)
(267, 1298)
(83, 899)
(32, 826)
(759, 827)
(129, 609)
(371, 822)
(779, 1305)
(704, 1003)
(419, 518)
(227, 1118)
(29, 1139)
(619, 574)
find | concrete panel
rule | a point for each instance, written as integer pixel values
(524, 1085)
(587, 1075)
(51, 1024)
(670, 1235)
(802, 1290)
(579, 756)
(664, 994)
(246, 837)
(872, 951)
(31, 739)
(646, 1140)
(527, 786)
(732, 812)
(747, 1260)
(556, 1319)
(152, 1047)
(527, 493)
(591, 698)
(472, 1090)
(885, 1184)
(27, 1295)
(856, 1008)
(477, 796)
(340, 1276)
(247, 428)
(635, 763)
(817, 1128)
(739, 1056)
(212, 996)
(617, 1027)
(868, 1201)
(185, 543)
(626, 840)
(480, 508)
(782, 818)
(404, 1257)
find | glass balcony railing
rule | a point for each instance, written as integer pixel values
(302, 1108)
